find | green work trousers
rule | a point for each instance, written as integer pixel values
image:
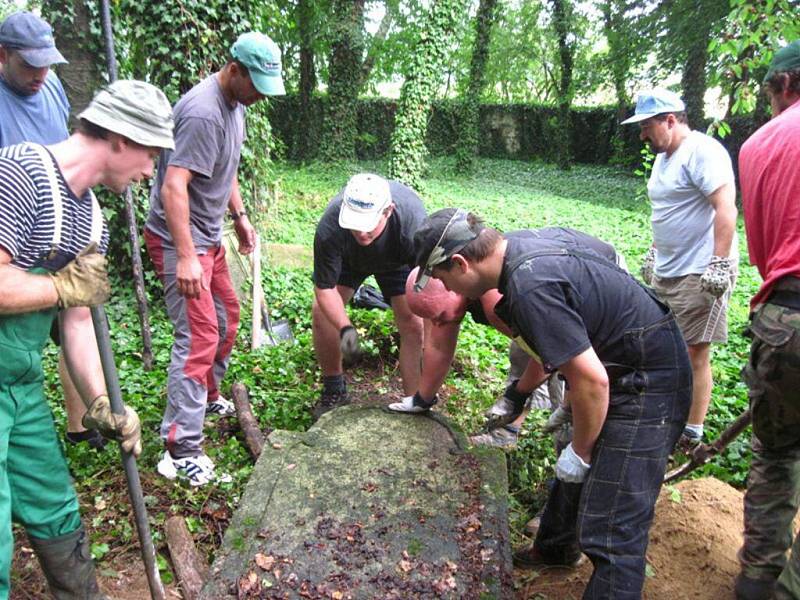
(35, 486)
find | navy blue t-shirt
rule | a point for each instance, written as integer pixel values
(562, 304)
(563, 234)
(335, 248)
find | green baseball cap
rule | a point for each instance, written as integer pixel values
(785, 59)
(135, 109)
(262, 57)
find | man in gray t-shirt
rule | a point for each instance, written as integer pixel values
(693, 262)
(196, 184)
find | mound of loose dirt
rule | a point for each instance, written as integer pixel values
(692, 553)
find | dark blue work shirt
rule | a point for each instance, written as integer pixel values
(562, 304)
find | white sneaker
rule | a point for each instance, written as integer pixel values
(221, 406)
(199, 470)
(502, 438)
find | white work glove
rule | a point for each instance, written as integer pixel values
(413, 404)
(717, 276)
(647, 269)
(348, 344)
(559, 417)
(570, 467)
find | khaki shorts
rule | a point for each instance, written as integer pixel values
(701, 317)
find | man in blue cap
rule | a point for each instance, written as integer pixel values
(32, 96)
(693, 262)
(195, 187)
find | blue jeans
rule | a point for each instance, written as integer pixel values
(608, 516)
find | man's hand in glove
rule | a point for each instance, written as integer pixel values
(648, 266)
(570, 467)
(84, 281)
(507, 408)
(124, 427)
(348, 344)
(560, 417)
(717, 276)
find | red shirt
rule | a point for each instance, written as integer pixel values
(769, 174)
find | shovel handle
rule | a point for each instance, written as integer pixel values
(100, 323)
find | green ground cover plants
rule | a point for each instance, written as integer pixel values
(283, 380)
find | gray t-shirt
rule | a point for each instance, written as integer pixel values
(683, 218)
(208, 140)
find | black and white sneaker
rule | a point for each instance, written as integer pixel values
(198, 470)
(221, 407)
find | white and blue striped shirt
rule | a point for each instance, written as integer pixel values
(28, 214)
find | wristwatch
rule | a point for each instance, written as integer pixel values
(236, 215)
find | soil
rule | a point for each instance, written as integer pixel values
(692, 553)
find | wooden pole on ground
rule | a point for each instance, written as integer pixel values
(253, 436)
(191, 569)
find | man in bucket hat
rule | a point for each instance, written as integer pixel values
(626, 369)
(51, 229)
(196, 185)
(367, 229)
(37, 110)
(693, 262)
(770, 180)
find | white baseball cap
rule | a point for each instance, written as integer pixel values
(363, 200)
(655, 102)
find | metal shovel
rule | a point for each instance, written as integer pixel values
(264, 330)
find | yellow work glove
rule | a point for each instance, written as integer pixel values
(124, 427)
(84, 281)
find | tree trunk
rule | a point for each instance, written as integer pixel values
(693, 80)
(191, 569)
(344, 72)
(303, 148)
(407, 155)
(247, 421)
(562, 11)
(83, 75)
(467, 149)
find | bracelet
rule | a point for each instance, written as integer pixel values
(236, 215)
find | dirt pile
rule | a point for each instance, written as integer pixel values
(692, 553)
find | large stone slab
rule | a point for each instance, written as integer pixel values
(369, 504)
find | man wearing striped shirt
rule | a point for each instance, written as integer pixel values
(32, 96)
(50, 229)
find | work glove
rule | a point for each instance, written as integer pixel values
(413, 404)
(124, 427)
(717, 276)
(84, 281)
(558, 418)
(348, 344)
(570, 467)
(648, 266)
(507, 408)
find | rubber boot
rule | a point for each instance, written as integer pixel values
(746, 588)
(68, 566)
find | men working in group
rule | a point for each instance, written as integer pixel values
(50, 227)
(447, 309)
(770, 180)
(693, 262)
(368, 229)
(628, 374)
(195, 187)
(35, 109)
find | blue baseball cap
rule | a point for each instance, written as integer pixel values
(655, 102)
(32, 38)
(262, 57)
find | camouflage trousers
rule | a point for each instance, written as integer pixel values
(773, 487)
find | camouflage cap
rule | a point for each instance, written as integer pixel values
(441, 236)
(135, 109)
